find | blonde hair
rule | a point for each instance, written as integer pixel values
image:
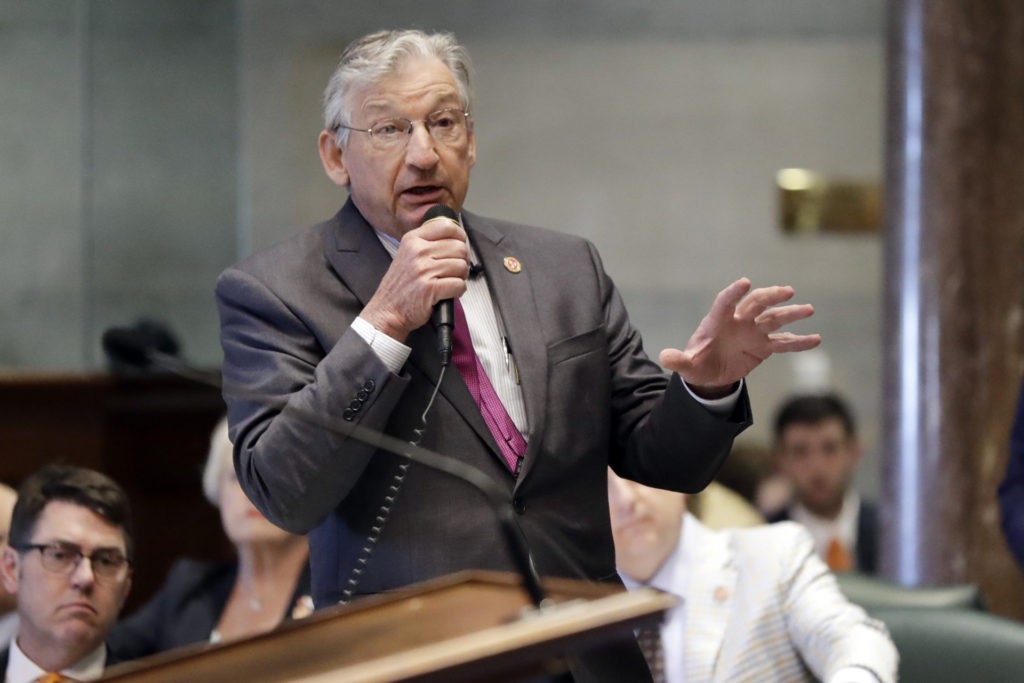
(218, 458)
(7, 498)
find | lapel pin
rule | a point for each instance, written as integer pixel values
(512, 264)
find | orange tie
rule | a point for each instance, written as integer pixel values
(52, 677)
(838, 558)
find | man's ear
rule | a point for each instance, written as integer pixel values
(332, 158)
(9, 569)
(472, 149)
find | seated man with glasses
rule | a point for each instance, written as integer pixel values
(68, 560)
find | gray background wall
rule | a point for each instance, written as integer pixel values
(146, 144)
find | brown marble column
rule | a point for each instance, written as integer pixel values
(954, 338)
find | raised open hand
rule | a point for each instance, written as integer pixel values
(737, 334)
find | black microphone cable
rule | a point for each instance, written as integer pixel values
(486, 486)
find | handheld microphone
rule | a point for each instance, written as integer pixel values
(443, 316)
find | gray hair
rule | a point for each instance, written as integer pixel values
(218, 459)
(381, 54)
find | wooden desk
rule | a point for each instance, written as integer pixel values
(150, 433)
(470, 626)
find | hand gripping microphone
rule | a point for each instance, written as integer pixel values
(443, 316)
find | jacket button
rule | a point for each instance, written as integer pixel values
(519, 505)
(355, 404)
(348, 414)
(363, 395)
(369, 385)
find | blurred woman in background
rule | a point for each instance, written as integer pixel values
(268, 581)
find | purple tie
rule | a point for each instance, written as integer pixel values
(504, 430)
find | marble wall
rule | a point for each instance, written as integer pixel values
(151, 143)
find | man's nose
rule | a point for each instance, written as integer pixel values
(421, 150)
(82, 575)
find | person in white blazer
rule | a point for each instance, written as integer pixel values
(757, 604)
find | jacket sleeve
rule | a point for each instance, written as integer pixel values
(664, 437)
(289, 400)
(830, 632)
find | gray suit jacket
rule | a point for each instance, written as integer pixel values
(592, 398)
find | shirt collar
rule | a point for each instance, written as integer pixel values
(21, 669)
(843, 527)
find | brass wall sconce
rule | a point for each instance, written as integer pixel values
(810, 203)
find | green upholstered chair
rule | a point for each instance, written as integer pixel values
(958, 645)
(871, 592)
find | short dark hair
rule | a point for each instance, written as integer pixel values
(813, 409)
(79, 485)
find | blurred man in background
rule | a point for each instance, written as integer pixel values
(757, 603)
(817, 451)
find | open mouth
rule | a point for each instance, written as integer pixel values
(425, 193)
(423, 190)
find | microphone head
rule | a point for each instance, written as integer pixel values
(128, 346)
(440, 211)
(135, 346)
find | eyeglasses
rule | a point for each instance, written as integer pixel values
(449, 126)
(107, 564)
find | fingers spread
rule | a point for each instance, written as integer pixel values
(762, 298)
(726, 300)
(787, 342)
(775, 318)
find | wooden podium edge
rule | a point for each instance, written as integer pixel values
(542, 634)
(582, 616)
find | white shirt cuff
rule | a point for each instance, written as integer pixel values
(721, 406)
(853, 674)
(391, 352)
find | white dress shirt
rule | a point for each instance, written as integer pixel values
(823, 530)
(21, 669)
(491, 346)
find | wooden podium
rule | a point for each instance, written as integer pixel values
(470, 626)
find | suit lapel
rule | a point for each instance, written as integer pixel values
(710, 592)
(355, 253)
(360, 260)
(513, 296)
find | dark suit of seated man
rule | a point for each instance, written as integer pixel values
(68, 561)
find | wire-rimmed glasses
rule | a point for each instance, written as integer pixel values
(449, 126)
